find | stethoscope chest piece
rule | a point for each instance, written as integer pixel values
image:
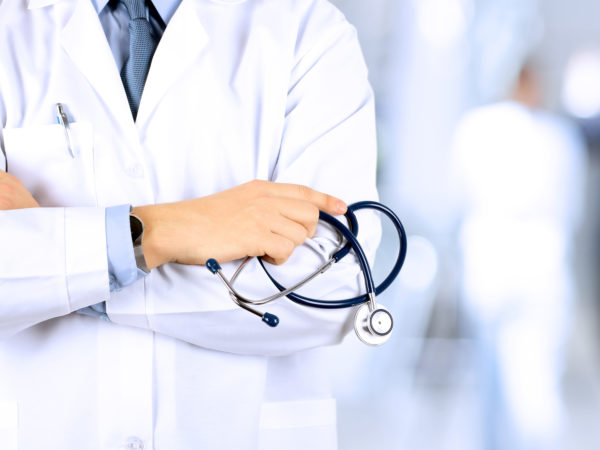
(373, 326)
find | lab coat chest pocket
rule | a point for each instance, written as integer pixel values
(40, 157)
(8, 425)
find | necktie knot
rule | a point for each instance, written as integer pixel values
(135, 8)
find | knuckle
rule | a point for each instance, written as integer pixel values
(285, 255)
(304, 191)
(288, 248)
(283, 250)
(268, 259)
(301, 236)
(278, 261)
(311, 220)
(257, 186)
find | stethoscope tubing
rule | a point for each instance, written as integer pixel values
(349, 233)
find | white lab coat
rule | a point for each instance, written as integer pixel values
(238, 90)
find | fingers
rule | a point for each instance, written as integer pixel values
(293, 216)
(301, 212)
(322, 201)
(289, 229)
(258, 218)
(13, 194)
(276, 242)
(277, 249)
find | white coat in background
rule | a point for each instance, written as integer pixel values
(522, 176)
(237, 90)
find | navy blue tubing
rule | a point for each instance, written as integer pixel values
(353, 244)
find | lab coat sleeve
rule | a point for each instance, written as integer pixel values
(328, 143)
(52, 262)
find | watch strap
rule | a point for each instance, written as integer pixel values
(137, 233)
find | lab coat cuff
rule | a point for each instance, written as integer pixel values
(122, 266)
(85, 250)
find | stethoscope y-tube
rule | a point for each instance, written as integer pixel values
(373, 323)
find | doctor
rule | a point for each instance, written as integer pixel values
(236, 91)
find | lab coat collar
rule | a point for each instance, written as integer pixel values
(162, 7)
(34, 4)
(83, 40)
(169, 62)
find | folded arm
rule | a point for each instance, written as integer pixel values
(328, 143)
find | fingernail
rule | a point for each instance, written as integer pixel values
(341, 207)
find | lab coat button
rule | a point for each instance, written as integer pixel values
(134, 443)
(136, 171)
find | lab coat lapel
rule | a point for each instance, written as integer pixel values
(83, 40)
(180, 46)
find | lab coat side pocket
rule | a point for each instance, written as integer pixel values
(298, 425)
(9, 416)
(40, 157)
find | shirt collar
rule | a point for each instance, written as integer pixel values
(166, 8)
(99, 5)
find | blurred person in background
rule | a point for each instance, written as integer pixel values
(519, 177)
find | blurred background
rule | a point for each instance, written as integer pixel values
(489, 146)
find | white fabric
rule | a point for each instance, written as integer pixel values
(271, 90)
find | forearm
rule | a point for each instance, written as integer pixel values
(53, 262)
(258, 218)
(191, 304)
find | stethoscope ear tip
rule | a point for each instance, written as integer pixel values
(213, 265)
(270, 319)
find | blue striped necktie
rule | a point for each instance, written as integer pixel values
(141, 49)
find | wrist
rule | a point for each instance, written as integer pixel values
(152, 245)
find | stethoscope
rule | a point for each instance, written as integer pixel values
(373, 323)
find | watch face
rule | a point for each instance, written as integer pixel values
(137, 227)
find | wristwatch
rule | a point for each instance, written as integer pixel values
(137, 232)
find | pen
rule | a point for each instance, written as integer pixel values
(62, 119)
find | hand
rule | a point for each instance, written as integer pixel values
(13, 195)
(258, 218)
